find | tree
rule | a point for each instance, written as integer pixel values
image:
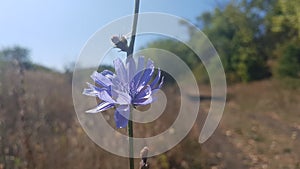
(236, 32)
(286, 18)
(17, 55)
(285, 29)
(289, 62)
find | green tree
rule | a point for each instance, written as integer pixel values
(286, 18)
(289, 62)
(285, 32)
(237, 33)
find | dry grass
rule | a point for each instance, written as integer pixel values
(261, 122)
(56, 137)
(260, 128)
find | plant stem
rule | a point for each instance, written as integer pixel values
(129, 54)
(134, 25)
(130, 135)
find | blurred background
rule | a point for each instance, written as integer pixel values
(258, 42)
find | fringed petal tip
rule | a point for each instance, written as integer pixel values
(161, 82)
(89, 92)
(101, 107)
(101, 79)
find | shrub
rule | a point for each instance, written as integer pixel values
(289, 62)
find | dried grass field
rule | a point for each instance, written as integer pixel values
(260, 128)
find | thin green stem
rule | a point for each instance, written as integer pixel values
(134, 26)
(129, 54)
(130, 135)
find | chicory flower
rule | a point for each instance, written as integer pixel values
(131, 85)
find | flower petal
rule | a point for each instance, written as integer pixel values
(146, 77)
(150, 64)
(101, 79)
(107, 73)
(131, 67)
(122, 98)
(140, 80)
(156, 79)
(90, 92)
(143, 76)
(101, 107)
(103, 95)
(135, 80)
(160, 84)
(143, 95)
(93, 90)
(121, 116)
(120, 70)
(145, 102)
(141, 63)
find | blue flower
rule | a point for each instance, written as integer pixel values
(131, 85)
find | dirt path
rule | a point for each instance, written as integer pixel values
(256, 131)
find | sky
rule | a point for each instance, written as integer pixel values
(55, 31)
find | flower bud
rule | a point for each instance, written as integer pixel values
(144, 154)
(120, 42)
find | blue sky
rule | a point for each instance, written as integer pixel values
(55, 31)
